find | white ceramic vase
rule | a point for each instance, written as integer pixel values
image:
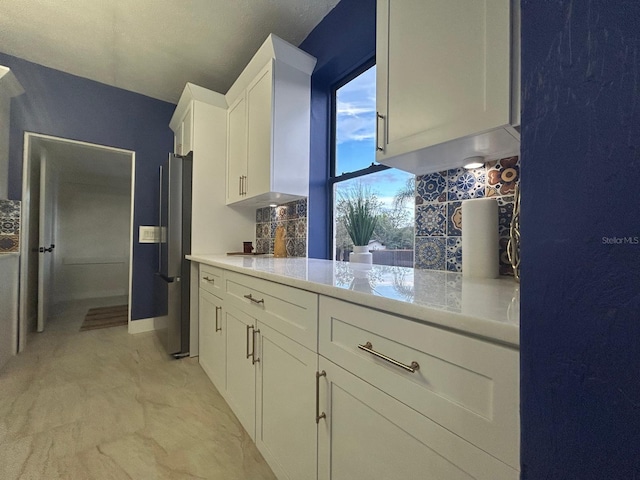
(361, 254)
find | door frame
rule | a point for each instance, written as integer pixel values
(24, 223)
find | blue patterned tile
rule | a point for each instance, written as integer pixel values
(291, 228)
(502, 176)
(9, 243)
(259, 215)
(292, 211)
(301, 228)
(454, 219)
(301, 208)
(505, 214)
(9, 209)
(258, 231)
(281, 213)
(430, 253)
(262, 245)
(290, 245)
(454, 254)
(465, 184)
(301, 247)
(431, 220)
(432, 187)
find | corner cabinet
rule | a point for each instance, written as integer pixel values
(447, 82)
(269, 120)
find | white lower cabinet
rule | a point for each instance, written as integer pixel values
(370, 435)
(212, 339)
(336, 391)
(285, 405)
(241, 377)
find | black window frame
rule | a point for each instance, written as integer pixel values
(333, 178)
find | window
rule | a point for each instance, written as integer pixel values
(354, 172)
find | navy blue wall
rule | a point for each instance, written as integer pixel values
(342, 41)
(63, 105)
(580, 314)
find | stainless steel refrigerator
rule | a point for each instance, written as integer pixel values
(175, 243)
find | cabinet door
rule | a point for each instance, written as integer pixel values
(236, 150)
(443, 71)
(369, 434)
(286, 431)
(212, 341)
(241, 384)
(177, 140)
(259, 132)
(187, 131)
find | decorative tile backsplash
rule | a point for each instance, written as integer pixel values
(293, 217)
(9, 226)
(438, 212)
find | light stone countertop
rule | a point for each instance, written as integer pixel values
(486, 308)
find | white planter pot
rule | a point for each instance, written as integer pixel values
(361, 254)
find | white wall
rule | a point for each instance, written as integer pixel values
(92, 233)
(5, 102)
(8, 306)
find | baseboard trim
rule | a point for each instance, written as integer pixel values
(147, 324)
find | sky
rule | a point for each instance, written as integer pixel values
(355, 136)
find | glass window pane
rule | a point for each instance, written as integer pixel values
(392, 192)
(356, 123)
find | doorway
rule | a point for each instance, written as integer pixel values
(77, 224)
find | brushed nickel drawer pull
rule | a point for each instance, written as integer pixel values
(218, 309)
(210, 280)
(318, 414)
(254, 300)
(254, 360)
(367, 347)
(249, 327)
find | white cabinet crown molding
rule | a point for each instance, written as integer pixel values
(193, 92)
(9, 84)
(273, 48)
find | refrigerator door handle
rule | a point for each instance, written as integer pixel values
(168, 279)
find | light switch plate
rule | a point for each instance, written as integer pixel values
(149, 234)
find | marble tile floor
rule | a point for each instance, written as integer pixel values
(104, 404)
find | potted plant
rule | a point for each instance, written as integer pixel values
(360, 220)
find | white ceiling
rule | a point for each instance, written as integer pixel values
(152, 47)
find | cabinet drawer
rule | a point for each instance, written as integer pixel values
(466, 385)
(212, 279)
(290, 311)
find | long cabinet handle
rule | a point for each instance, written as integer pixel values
(378, 136)
(218, 309)
(254, 300)
(244, 184)
(254, 359)
(240, 185)
(367, 347)
(318, 414)
(249, 327)
(210, 280)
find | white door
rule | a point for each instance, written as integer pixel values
(46, 240)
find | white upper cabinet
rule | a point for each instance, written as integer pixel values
(199, 124)
(269, 127)
(447, 84)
